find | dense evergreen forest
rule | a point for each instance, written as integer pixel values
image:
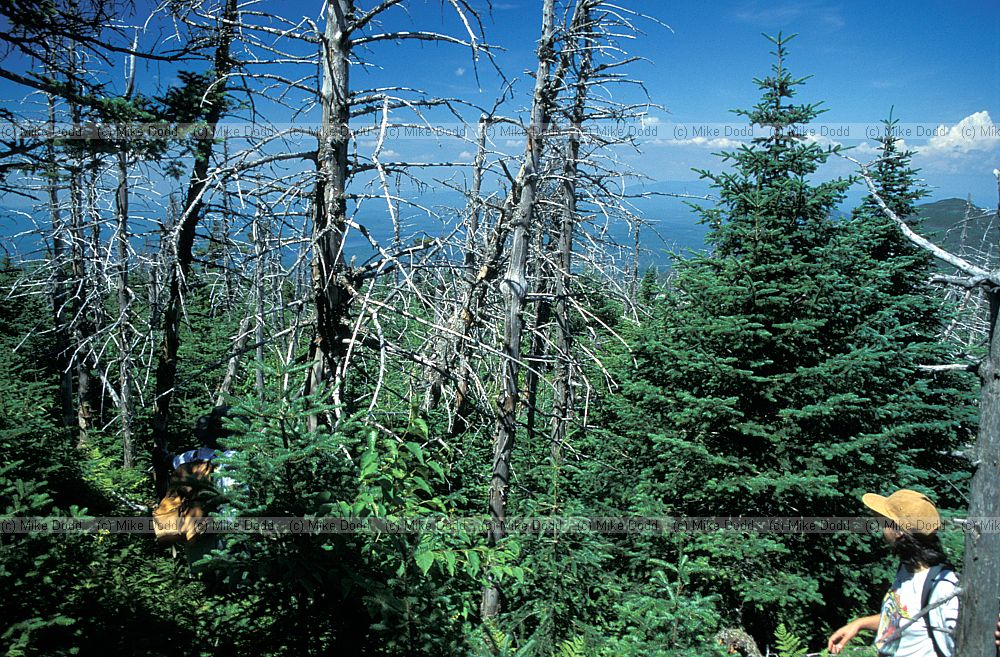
(514, 361)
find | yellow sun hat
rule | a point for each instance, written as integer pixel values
(912, 511)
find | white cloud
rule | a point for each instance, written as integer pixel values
(465, 155)
(822, 141)
(972, 144)
(875, 149)
(864, 148)
(777, 13)
(771, 14)
(976, 132)
(701, 142)
(460, 71)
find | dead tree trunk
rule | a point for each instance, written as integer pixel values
(515, 291)
(475, 199)
(562, 401)
(166, 369)
(224, 242)
(981, 566)
(538, 354)
(58, 294)
(124, 314)
(332, 289)
(980, 601)
(562, 394)
(81, 320)
(469, 314)
(260, 251)
(233, 366)
(126, 407)
(83, 329)
(466, 313)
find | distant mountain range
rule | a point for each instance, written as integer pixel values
(952, 222)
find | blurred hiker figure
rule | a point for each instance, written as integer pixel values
(906, 628)
(737, 642)
(193, 492)
(211, 434)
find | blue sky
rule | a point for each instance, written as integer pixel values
(935, 64)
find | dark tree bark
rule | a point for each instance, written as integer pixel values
(980, 601)
(126, 410)
(166, 369)
(58, 294)
(82, 312)
(331, 284)
(562, 396)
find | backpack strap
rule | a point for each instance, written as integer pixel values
(933, 575)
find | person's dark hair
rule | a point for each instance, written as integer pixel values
(916, 550)
(209, 429)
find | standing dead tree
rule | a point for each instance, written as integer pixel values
(332, 282)
(325, 187)
(124, 292)
(563, 163)
(125, 334)
(58, 287)
(125, 328)
(336, 284)
(562, 404)
(214, 103)
(515, 286)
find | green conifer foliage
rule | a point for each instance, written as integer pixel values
(779, 377)
(901, 310)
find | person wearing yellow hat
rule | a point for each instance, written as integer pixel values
(924, 579)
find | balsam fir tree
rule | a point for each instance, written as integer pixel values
(781, 377)
(904, 311)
